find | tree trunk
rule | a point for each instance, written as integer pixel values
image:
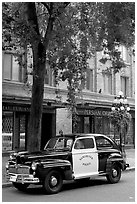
(121, 138)
(39, 47)
(39, 65)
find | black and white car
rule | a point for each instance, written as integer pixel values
(67, 157)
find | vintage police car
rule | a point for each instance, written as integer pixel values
(67, 157)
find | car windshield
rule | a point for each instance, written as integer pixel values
(59, 143)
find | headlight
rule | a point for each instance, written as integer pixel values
(11, 156)
(7, 165)
(34, 166)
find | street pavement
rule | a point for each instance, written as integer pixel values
(130, 157)
(95, 190)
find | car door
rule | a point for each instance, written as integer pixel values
(85, 157)
(105, 147)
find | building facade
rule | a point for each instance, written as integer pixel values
(93, 106)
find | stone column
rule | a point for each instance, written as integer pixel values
(16, 131)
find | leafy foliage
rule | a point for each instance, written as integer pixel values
(80, 31)
(120, 120)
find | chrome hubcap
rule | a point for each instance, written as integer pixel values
(114, 172)
(53, 181)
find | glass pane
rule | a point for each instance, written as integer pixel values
(79, 144)
(89, 80)
(110, 84)
(98, 125)
(86, 143)
(15, 69)
(86, 125)
(103, 142)
(7, 66)
(22, 132)
(46, 81)
(7, 133)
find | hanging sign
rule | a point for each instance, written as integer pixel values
(15, 108)
(93, 112)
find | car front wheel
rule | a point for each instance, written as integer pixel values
(115, 174)
(53, 182)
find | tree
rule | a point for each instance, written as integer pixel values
(120, 30)
(65, 35)
(120, 120)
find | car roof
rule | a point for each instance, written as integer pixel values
(76, 135)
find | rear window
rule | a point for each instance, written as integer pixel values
(103, 142)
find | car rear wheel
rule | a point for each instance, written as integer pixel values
(115, 174)
(53, 182)
(20, 186)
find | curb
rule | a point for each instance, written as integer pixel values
(4, 185)
(130, 169)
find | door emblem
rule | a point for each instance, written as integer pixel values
(86, 160)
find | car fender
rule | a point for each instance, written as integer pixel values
(115, 158)
(63, 166)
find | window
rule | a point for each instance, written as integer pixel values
(86, 143)
(7, 59)
(7, 131)
(125, 85)
(107, 78)
(110, 83)
(59, 143)
(49, 77)
(98, 124)
(80, 125)
(89, 80)
(12, 70)
(86, 125)
(103, 142)
(125, 54)
(22, 130)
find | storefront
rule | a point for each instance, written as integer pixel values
(15, 118)
(96, 120)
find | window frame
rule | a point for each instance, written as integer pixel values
(11, 68)
(89, 148)
(125, 86)
(103, 146)
(89, 80)
(107, 83)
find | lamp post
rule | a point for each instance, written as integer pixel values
(120, 103)
(120, 109)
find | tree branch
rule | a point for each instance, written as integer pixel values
(66, 4)
(48, 31)
(52, 17)
(61, 8)
(47, 7)
(32, 16)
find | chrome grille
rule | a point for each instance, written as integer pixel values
(16, 169)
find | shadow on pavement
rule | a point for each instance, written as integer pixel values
(38, 190)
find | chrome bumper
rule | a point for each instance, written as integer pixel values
(23, 178)
(127, 165)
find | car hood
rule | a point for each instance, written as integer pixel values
(25, 156)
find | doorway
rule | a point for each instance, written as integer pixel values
(46, 131)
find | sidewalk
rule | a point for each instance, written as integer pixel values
(130, 156)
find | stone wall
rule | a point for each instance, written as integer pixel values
(63, 121)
